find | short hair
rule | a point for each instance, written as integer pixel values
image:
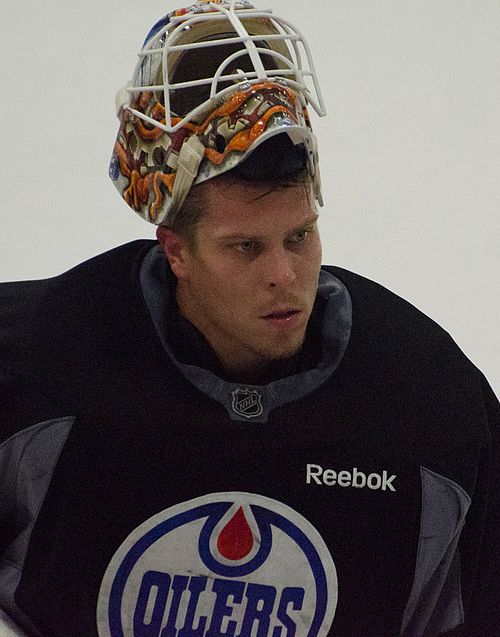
(276, 162)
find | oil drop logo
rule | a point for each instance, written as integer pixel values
(222, 565)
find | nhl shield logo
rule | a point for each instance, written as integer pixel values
(247, 402)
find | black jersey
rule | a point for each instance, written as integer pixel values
(143, 495)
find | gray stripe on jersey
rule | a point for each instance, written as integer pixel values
(435, 603)
(27, 462)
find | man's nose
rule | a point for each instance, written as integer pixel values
(279, 268)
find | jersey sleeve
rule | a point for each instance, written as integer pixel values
(482, 617)
(486, 598)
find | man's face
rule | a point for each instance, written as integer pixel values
(249, 283)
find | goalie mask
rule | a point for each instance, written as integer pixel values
(213, 82)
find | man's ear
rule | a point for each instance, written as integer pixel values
(175, 249)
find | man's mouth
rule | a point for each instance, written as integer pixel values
(281, 314)
(283, 317)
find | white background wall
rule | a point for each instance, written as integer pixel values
(410, 149)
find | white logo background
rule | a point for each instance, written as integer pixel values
(287, 553)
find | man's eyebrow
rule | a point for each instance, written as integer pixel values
(308, 222)
(241, 236)
(237, 236)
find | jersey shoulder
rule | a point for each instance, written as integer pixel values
(383, 311)
(58, 332)
(396, 340)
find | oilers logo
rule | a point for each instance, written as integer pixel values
(222, 565)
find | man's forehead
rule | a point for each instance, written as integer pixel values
(264, 211)
(249, 193)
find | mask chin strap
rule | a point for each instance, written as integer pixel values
(191, 154)
(317, 184)
(313, 164)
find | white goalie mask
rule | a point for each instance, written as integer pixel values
(213, 82)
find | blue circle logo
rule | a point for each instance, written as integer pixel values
(225, 564)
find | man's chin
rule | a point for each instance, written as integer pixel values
(283, 351)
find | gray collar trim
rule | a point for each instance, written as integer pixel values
(254, 403)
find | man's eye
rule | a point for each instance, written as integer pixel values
(246, 246)
(300, 237)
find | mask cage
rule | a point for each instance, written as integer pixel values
(160, 53)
